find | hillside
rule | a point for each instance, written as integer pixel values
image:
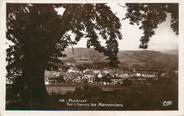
(143, 58)
(147, 58)
(173, 52)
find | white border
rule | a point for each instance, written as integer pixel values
(3, 112)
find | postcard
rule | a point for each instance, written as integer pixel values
(92, 58)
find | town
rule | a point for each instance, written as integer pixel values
(69, 76)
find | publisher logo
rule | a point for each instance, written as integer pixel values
(167, 103)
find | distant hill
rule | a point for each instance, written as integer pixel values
(85, 53)
(130, 58)
(173, 52)
(148, 58)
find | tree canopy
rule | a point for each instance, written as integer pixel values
(149, 15)
(39, 36)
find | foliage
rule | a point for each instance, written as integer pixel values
(38, 34)
(127, 82)
(149, 15)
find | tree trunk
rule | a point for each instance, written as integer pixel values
(37, 55)
(36, 90)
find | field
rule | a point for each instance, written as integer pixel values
(132, 97)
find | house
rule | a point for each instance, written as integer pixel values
(96, 71)
(54, 80)
(124, 75)
(99, 75)
(73, 69)
(77, 80)
(116, 80)
(89, 77)
(103, 80)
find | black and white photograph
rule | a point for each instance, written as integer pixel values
(114, 56)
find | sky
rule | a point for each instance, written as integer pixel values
(164, 38)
